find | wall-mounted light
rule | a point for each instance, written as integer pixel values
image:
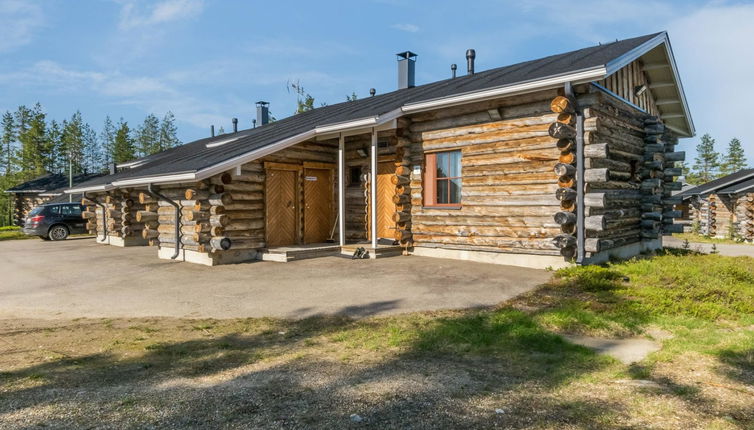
(639, 89)
(361, 152)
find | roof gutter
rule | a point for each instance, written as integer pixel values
(103, 187)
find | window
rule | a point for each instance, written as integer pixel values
(72, 210)
(354, 176)
(442, 179)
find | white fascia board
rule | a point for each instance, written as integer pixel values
(49, 194)
(677, 78)
(103, 187)
(632, 55)
(26, 191)
(164, 179)
(581, 76)
(331, 128)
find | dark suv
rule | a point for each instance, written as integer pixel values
(55, 221)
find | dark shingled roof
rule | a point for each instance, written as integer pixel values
(739, 187)
(720, 185)
(195, 156)
(51, 182)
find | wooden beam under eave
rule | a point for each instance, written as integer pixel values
(660, 102)
(655, 66)
(672, 115)
(662, 85)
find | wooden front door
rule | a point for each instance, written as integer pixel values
(318, 204)
(385, 205)
(282, 207)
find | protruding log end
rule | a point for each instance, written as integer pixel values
(562, 104)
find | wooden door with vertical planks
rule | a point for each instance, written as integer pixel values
(385, 205)
(282, 204)
(318, 204)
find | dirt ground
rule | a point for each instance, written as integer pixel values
(80, 278)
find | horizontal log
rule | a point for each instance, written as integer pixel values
(559, 130)
(563, 217)
(562, 169)
(561, 104)
(675, 156)
(565, 194)
(599, 150)
(595, 222)
(597, 245)
(564, 241)
(672, 228)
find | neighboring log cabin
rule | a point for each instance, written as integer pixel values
(566, 158)
(49, 188)
(723, 207)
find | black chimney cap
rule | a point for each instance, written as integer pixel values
(470, 53)
(407, 55)
(263, 103)
(372, 92)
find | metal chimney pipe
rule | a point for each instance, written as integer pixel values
(470, 56)
(235, 125)
(254, 123)
(406, 69)
(212, 130)
(453, 68)
(263, 112)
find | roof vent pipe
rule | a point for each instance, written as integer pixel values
(372, 92)
(235, 125)
(406, 69)
(263, 112)
(113, 168)
(212, 130)
(470, 56)
(453, 68)
(253, 123)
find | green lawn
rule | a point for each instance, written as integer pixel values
(691, 237)
(441, 369)
(12, 233)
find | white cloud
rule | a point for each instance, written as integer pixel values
(18, 22)
(160, 13)
(410, 28)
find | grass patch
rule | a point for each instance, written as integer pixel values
(13, 233)
(699, 238)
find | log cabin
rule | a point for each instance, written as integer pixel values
(568, 158)
(48, 188)
(723, 207)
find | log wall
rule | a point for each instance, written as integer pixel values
(23, 204)
(508, 187)
(745, 216)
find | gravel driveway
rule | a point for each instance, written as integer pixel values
(80, 278)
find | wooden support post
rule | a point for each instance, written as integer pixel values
(373, 190)
(341, 191)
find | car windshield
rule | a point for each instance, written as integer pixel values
(37, 210)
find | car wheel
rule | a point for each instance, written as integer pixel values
(58, 232)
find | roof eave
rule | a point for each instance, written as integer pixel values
(634, 54)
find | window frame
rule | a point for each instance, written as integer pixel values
(430, 181)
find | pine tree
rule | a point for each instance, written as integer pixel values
(32, 136)
(735, 159)
(123, 144)
(304, 100)
(147, 136)
(706, 163)
(107, 137)
(168, 132)
(93, 154)
(8, 140)
(58, 158)
(73, 142)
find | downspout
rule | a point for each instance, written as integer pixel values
(104, 216)
(580, 208)
(159, 196)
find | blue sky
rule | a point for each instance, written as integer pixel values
(211, 60)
